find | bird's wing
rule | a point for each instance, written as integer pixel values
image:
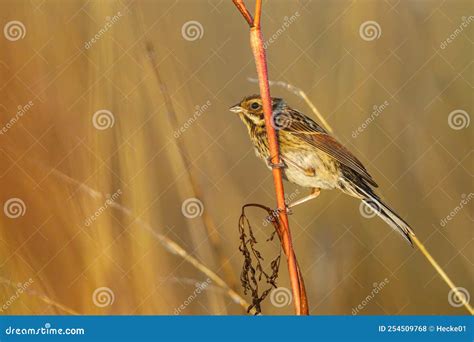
(313, 134)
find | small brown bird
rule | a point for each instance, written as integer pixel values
(312, 158)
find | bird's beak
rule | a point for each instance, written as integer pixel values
(236, 108)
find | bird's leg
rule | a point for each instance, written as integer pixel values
(314, 193)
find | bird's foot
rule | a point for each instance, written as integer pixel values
(276, 214)
(280, 165)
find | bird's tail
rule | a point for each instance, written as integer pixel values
(384, 212)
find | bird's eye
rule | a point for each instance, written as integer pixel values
(255, 105)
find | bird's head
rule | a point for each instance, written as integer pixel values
(250, 109)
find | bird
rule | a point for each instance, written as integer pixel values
(311, 158)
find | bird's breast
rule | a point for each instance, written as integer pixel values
(306, 165)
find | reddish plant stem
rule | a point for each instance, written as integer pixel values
(256, 42)
(244, 11)
(258, 14)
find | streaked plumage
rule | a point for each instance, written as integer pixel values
(312, 158)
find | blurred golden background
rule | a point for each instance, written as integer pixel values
(102, 178)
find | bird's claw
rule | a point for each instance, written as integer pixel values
(276, 213)
(272, 165)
